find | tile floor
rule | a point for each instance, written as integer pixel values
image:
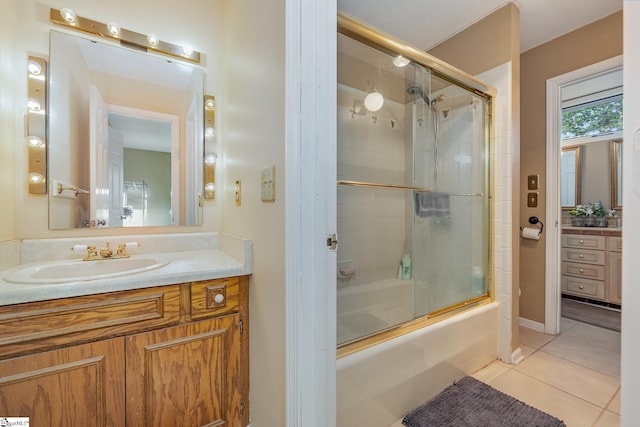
(574, 376)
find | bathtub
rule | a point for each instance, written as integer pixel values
(368, 308)
(377, 386)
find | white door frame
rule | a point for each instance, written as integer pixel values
(554, 210)
(310, 212)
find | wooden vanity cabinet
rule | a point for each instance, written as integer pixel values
(142, 359)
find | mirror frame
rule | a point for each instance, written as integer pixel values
(578, 198)
(616, 169)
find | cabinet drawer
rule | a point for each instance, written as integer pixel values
(614, 244)
(583, 241)
(47, 324)
(583, 287)
(583, 255)
(595, 272)
(214, 297)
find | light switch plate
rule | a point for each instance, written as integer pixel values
(268, 184)
(532, 182)
(532, 200)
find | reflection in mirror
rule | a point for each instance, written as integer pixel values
(616, 175)
(570, 177)
(127, 128)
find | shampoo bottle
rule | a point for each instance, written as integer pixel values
(406, 267)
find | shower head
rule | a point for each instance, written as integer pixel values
(415, 89)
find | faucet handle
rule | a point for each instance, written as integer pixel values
(122, 251)
(92, 252)
(106, 251)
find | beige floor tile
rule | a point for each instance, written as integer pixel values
(491, 372)
(585, 383)
(614, 406)
(533, 338)
(397, 424)
(527, 350)
(574, 411)
(608, 419)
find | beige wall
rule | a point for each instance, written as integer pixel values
(489, 43)
(198, 25)
(7, 134)
(590, 44)
(253, 133)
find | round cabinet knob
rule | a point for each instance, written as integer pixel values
(581, 241)
(580, 256)
(581, 271)
(581, 287)
(219, 298)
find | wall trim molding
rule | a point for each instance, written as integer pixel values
(531, 324)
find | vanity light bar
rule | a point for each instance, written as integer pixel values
(209, 144)
(112, 31)
(37, 124)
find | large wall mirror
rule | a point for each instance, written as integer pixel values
(616, 175)
(125, 137)
(570, 177)
(592, 172)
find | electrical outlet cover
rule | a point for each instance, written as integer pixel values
(268, 184)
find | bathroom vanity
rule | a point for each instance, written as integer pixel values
(592, 263)
(173, 353)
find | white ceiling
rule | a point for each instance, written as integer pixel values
(426, 23)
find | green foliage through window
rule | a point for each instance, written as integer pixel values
(595, 118)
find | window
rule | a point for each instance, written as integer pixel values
(594, 118)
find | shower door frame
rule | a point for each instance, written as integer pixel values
(387, 44)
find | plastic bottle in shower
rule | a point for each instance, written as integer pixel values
(406, 267)
(477, 281)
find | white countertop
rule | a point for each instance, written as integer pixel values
(222, 256)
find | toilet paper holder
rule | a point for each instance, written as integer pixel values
(535, 220)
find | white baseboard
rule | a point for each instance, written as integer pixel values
(536, 326)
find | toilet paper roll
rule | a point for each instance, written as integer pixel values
(531, 233)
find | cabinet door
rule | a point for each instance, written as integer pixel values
(614, 285)
(81, 385)
(185, 375)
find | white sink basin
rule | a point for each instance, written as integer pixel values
(76, 271)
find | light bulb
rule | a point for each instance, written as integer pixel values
(35, 142)
(374, 101)
(36, 178)
(68, 15)
(153, 40)
(34, 68)
(187, 51)
(33, 104)
(400, 61)
(210, 159)
(114, 29)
